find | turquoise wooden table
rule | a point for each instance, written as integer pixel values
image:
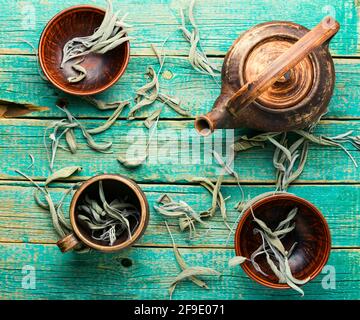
(330, 179)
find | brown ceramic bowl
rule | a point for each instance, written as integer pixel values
(311, 233)
(103, 70)
(114, 186)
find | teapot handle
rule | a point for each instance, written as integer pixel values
(323, 32)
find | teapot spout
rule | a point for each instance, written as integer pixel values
(218, 118)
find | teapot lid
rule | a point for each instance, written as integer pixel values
(259, 47)
(290, 89)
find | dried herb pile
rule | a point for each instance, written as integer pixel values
(146, 96)
(108, 222)
(272, 247)
(112, 33)
(289, 159)
(65, 128)
(187, 217)
(188, 273)
(185, 214)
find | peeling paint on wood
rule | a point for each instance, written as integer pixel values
(145, 272)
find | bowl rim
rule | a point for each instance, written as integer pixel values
(90, 8)
(254, 276)
(145, 212)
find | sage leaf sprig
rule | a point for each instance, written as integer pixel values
(62, 174)
(226, 168)
(61, 225)
(181, 262)
(285, 159)
(289, 160)
(102, 105)
(182, 211)
(218, 200)
(112, 33)
(197, 56)
(82, 73)
(192, 272)
(66, 128)
(245, 142)
(108, 222)
(188, 273)
(277, 257)
(150, 92)
(135, 163)
(337, 141)
(111, 120)
(147, 94)
(244, 206)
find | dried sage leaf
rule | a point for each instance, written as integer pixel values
(174, 103)
(82, 73)
(132, 163)
(147, 94)
(236, 261)
(288, 219)
(102, 105)
(291, 277)
(71, 141)
(151, 120)
(195, 271)
(110, 122)
(186, 214)
(62, 228)
(63, 173)
(180, 260)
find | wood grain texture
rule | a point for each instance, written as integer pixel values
(21, 83)
(19, 137)
(220, 23)
(339, 204)
(99, 276)
(330, 179)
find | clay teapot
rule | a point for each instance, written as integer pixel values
(277, 76)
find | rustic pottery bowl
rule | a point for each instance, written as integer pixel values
(103, 70)
(311, 233)
(114, 185)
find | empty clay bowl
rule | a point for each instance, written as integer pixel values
(311, 233)
(115, 186)
(103, 70)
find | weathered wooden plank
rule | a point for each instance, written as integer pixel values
(220, 23)
(20, 83)
(21, 220)
(99, 276)
(173, 156)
